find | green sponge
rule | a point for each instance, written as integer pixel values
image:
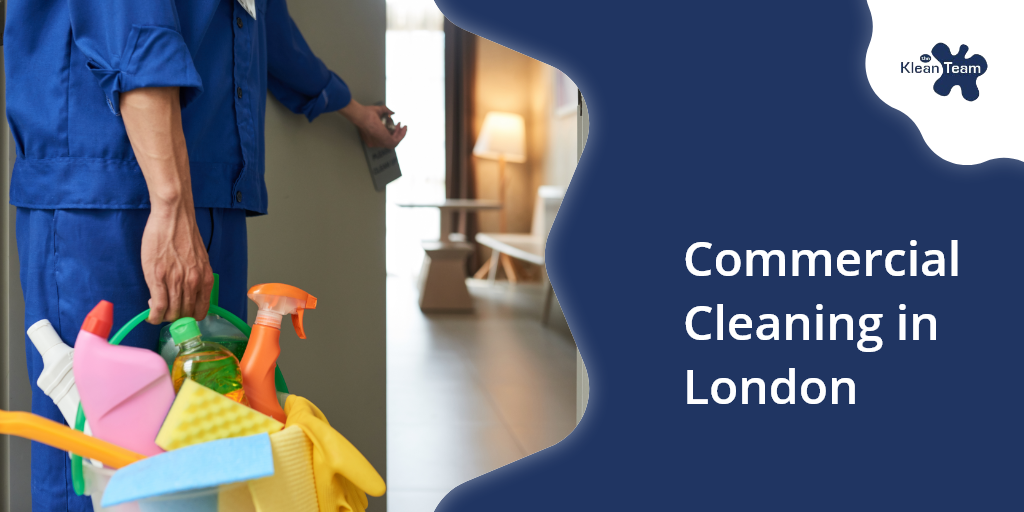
(200, 414)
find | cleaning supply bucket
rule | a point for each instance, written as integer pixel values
(201, 500)
(96, 479)
(78, 479)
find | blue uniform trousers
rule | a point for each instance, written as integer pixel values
(72, 259)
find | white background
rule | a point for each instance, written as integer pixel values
(960, 131)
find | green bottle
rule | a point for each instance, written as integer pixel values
(206, 362)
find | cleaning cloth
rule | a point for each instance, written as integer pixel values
(196, 467)
(291, 489)
(342, 475)
(235, 498)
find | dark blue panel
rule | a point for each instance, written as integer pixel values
(751, 125)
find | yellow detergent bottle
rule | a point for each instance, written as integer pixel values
(205, 362)
(214, 327)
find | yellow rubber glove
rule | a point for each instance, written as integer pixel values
(341, 473)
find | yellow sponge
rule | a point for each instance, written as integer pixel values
(200, 414)
(291, 488)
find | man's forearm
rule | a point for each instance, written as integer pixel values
(152, 118)
(174, 259)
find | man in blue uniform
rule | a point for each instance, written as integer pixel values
(138, 126)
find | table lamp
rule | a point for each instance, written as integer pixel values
(502, 138)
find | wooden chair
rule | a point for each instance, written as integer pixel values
(527, 247)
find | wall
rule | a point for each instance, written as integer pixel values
(512, 82)
(503, 83)
(15, 388)
(325, 233)
(5, 320)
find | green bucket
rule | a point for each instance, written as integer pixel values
(76, 461)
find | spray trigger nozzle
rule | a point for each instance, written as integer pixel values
(297, 323)
(276, 300)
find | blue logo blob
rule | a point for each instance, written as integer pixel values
(958, 70)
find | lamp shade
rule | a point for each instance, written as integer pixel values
(503, 134)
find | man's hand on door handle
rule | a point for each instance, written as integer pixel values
(367, 119)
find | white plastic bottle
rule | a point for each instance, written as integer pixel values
(57, 379)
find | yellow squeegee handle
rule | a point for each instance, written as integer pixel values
(37, 428)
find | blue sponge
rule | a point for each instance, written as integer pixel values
(196, 467)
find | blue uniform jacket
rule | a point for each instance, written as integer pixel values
(67, 61)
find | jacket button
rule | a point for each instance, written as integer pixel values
(238, 196)
(239, 21)
(239, 92)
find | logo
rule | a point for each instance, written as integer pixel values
(953, 70)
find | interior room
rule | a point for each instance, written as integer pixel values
(475, 380)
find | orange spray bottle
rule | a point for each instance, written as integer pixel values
(275, 301)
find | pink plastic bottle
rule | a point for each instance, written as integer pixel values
(125, 391)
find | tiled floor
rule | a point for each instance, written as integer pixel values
(470, 393)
